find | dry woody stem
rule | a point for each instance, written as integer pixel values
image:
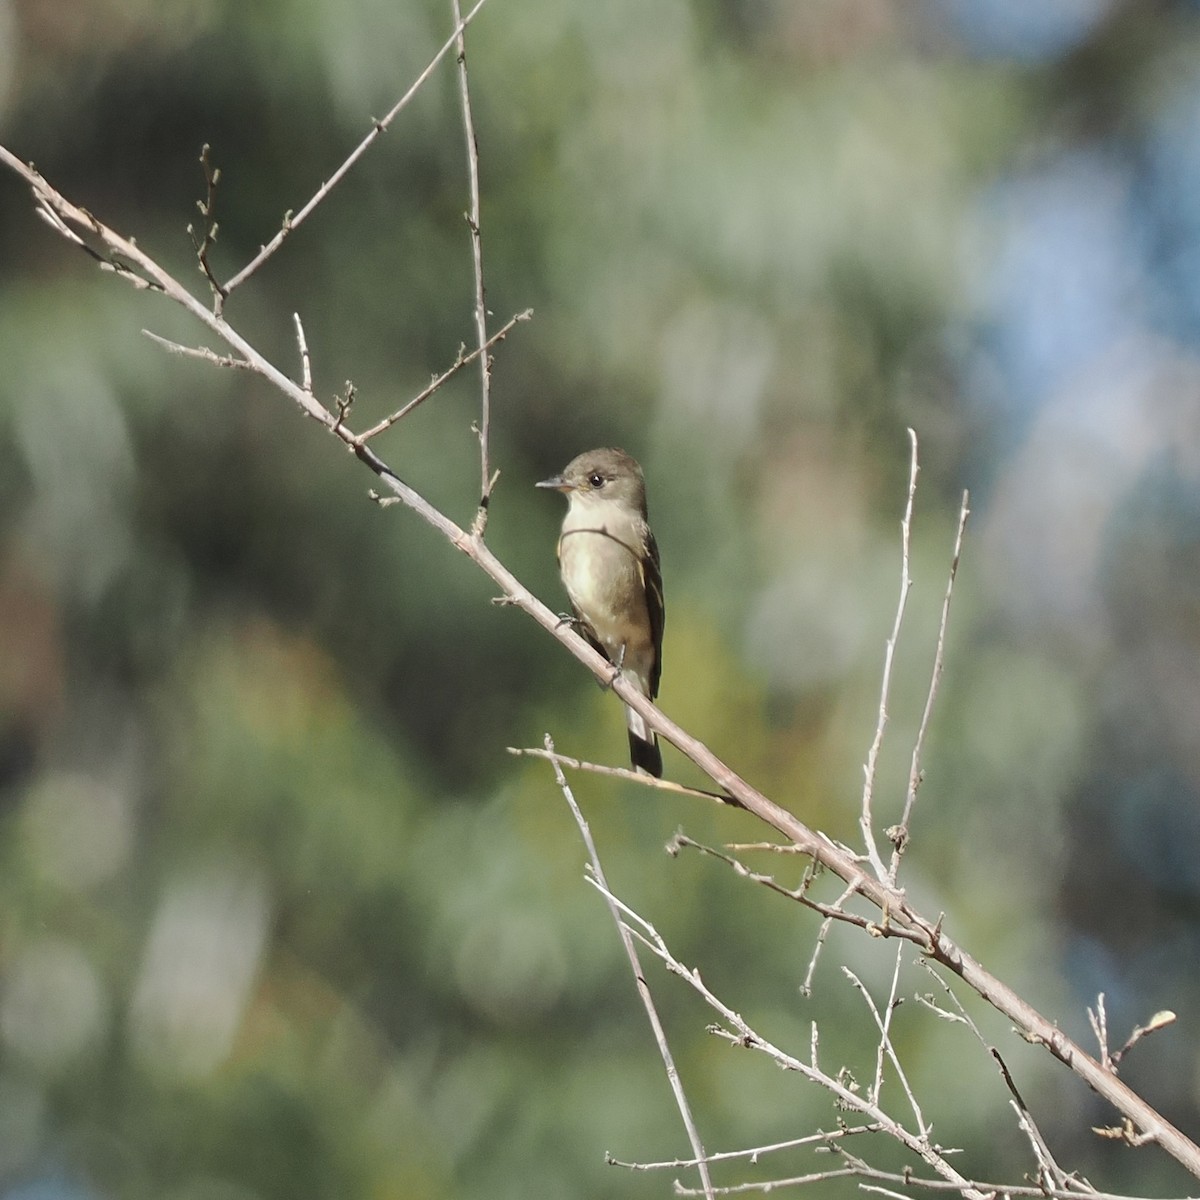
(872, 886)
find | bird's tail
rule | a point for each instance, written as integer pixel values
(643, 745)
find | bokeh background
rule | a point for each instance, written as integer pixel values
(279, 917)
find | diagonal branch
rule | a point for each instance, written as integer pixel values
(900, 916)
(292, 221)
(438, 381)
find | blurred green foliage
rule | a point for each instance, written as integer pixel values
(279, 917)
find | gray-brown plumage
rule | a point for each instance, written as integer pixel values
(610, 568)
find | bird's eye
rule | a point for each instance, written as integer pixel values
(596, 479)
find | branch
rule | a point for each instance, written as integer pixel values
(872, 763)
(901, 918)
(737, 1030)
(481, 314)
(292, 221)
(639, 978)
(623, 773)
(820, 1138)
(208, 210)
(899, 833)
(437, 381)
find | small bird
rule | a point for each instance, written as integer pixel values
(610, 568)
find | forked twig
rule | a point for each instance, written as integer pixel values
(738, 1031)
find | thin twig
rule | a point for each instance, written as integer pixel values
(755, 1153)
(305, 361)
(481, 312)
(639, 977)
(800, 894)
(835, 909)
(1160, 1020)
(1049, 1172)
(292, 221)
(202, 246)
(464, 359)
(1071, 1190)
(739, 1189)
(623, 773)
(883, 1024)
(737, 1030)
(872, 764)
(884, 1048)
(899, 833)
(202, 352)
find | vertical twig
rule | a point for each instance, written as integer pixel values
(202, 246)
(899, 833)
(487, 479)
(872, 763)
(660, 1036)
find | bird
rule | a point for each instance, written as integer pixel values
(610, 568)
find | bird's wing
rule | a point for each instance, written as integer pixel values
(655, 605)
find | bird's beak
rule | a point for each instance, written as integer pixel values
(557, 483)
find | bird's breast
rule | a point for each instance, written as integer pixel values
(604, 581)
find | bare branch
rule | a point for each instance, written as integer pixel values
(201, 352)
(872, 764)
(822, 934)
(736, 1029)
(624, 773)
(755, 1153)
(1160, 1020)
(1141, 1122)
(739, 1189)
(883, 1024)
(899, 833)
(437, 381)
(305, 361)
(487, 481)
(1099, 1023)
(639, 977)
(1050, 1174)
(833, 912)
(293, 221)
(202, 246)
(1071, 1190)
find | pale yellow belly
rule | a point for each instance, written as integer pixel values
(604, 583)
